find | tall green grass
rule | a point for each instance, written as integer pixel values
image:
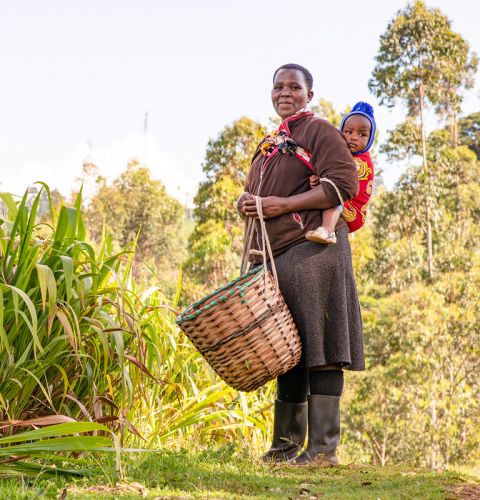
(65, 323)
(78, 338)
(36, 452)
(190, 405)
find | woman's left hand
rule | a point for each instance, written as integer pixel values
(272, 206)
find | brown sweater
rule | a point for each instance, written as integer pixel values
(287, 175)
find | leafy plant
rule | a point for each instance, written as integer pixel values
(78, 339)
(43, 444)
(65, 321)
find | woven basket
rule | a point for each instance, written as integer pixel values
(244, 329)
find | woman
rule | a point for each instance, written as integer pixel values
(316, 280)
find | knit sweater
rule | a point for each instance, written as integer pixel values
(284, 175)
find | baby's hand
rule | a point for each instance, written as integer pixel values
(314, 181)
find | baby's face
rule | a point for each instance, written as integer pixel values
(356, 131)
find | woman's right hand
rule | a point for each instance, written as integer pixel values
(240, 202)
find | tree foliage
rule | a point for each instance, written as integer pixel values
(422, 59)
(215, 245)
(403, 142)
(325, 109)
(418, 400)
(136, 207)
(469, 132)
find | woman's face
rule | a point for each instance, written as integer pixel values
(290, 93)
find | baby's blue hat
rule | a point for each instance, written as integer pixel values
(364, 109)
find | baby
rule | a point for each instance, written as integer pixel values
(358, 128)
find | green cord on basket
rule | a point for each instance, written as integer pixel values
(194, 310)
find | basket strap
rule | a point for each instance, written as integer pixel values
(266, 248)
(265, 241)
(250, 223)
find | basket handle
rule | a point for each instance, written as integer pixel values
(266, 248)
(250, 225)
(265, 241)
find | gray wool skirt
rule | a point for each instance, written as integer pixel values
(319, 288)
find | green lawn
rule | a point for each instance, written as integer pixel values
(220, 475)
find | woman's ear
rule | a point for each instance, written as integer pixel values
(310, 95)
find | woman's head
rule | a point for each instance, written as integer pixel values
(292, 89)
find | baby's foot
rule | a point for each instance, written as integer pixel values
(322, 235)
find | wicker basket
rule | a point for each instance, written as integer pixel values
(244, 329)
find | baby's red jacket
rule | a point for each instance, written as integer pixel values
(355, 210)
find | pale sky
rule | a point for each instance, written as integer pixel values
(77, 77)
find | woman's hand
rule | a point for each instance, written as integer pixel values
(272, 206)
(241, 202)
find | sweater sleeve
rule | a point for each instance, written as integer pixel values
(332, 159)
(249, 186)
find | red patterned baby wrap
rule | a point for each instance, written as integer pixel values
(355, 210)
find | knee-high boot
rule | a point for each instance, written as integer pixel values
(289, 431)
(323, 431)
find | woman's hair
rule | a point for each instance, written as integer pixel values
(307, 75)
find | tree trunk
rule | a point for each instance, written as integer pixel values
(427, 195)
(454, 128)
(433, 444)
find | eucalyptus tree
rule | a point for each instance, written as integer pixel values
(469, 132)
(423, 63)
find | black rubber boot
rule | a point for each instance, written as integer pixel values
(323, 432)
(289, 431)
